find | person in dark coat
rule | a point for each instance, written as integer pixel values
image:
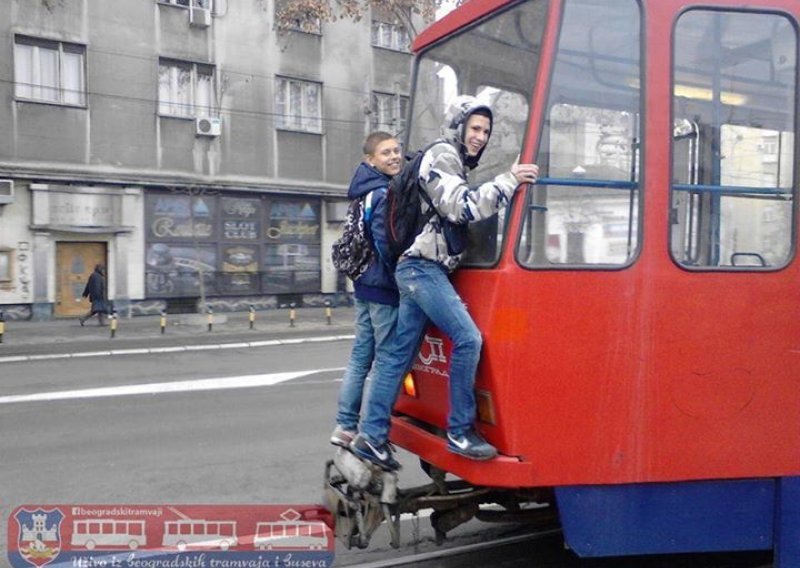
(95, 290)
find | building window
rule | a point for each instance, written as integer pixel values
(291, 16)
(298, 105)
(5, 265)
(196, 4)
(389, 112)
(185, 89)
(390, 36)
(49, 71)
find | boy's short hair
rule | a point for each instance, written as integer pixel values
(375, 138)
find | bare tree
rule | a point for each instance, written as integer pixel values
(307, 14)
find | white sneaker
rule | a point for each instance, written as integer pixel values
(342, 437)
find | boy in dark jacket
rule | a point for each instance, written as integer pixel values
(376, 297)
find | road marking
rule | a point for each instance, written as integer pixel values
(222, 383)
(180, 348)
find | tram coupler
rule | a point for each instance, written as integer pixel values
(361, 497)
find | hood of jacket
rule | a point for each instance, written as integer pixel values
(455, 118)
(365, 179)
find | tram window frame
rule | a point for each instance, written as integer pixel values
(421, 106)
(718, 252)
(534, 237)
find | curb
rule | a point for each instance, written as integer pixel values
(175, 349)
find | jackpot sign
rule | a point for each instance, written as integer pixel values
(170, 536)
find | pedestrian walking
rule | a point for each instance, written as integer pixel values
(95, 290)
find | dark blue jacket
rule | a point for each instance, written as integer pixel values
(377, 283)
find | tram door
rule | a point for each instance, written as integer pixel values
(74, 263)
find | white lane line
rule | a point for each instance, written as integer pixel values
(222, 383)
(182, 348)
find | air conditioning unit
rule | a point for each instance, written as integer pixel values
(200, 17)
(209, 126)
(6, 191)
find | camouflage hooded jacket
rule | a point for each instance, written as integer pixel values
(443, 174)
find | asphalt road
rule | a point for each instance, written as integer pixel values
(231, 426)
(262, 444)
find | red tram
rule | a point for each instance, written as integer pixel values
(639, 304)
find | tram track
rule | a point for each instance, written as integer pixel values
(422, 557)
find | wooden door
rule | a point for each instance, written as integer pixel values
(74, 263)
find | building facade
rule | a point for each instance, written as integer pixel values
(195, 149)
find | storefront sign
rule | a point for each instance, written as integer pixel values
(81, 209)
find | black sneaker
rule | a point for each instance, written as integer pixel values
(380, 456)
(471, 445)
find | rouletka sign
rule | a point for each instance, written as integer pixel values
(170, 536)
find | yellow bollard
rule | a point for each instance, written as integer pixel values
(328, 312)
(163, 321)
(2, 326)
(210, 318)
(113, 324)
(252, 317)
(291, 314)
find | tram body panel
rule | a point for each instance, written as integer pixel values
(647, 372)
(658, 393)
(591, 385)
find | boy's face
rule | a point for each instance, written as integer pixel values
(387, 157)
(476, 133)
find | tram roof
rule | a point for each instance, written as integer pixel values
(463, 16)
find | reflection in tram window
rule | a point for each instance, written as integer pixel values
(734, 103)
(585, 209)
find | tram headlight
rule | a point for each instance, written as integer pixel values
(409, 386)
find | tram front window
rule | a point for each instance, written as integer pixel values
(584, 212)
(496, 61)
(734, 100)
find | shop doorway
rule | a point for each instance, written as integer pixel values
(74, 263)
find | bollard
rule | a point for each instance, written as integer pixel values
(113, 324)
(291, 314)
(210, 312)
(163, 321)
(252, 316)
(2, 326)
(328, 311)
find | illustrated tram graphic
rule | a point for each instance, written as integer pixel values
(291, 535)
(185, 534)
(108, 533)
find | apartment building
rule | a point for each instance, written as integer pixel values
(194, 148)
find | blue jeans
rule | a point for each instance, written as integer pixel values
(375, 328)
(426, 294)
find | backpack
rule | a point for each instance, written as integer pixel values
(404, 217)
(352, 253)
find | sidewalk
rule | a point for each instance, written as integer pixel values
(64, 337)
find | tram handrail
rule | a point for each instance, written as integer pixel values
(581, 182)
(731, 189)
